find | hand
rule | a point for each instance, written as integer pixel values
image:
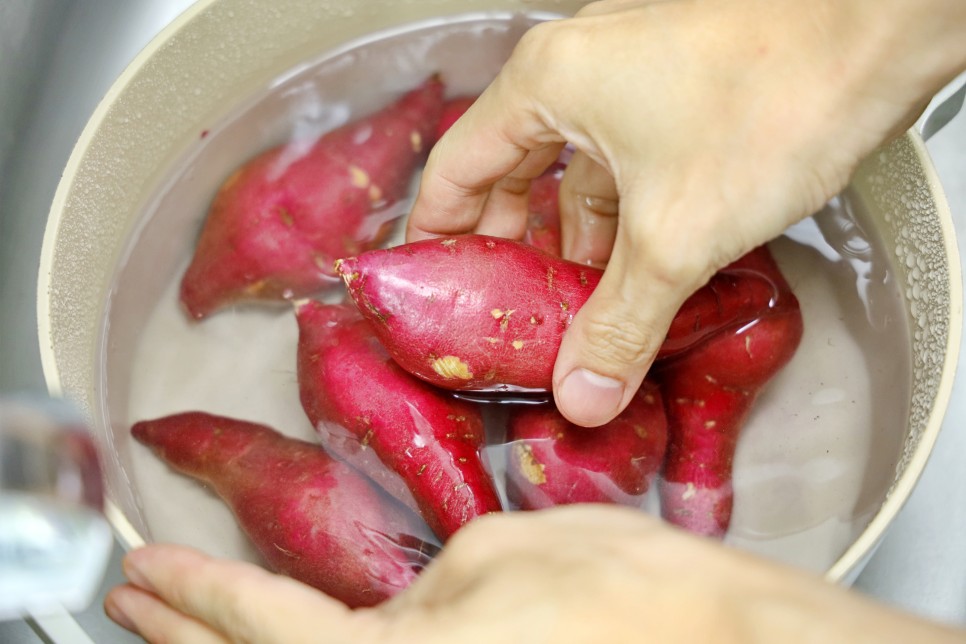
(712, 125)
(575, 574)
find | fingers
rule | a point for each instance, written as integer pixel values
(483, 164)
(614, 337)
(588, 211)
(153, 619)
(237, 600)
(504, 213)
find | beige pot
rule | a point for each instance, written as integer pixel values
(106, 264)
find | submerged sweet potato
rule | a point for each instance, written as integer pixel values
(311, 517)
(480, 313)
(554, 462)
(278, 223)
(709, 392)
(422, 445)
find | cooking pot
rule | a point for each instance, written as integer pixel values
(106, 261)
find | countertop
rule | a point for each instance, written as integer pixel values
(49, 89)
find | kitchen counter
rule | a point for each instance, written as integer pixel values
(58, 58)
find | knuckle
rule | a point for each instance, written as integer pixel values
(674, 256)
(596, 8)
(517, 186)
(535, 40)
(553, 40)
(467, 551)
(619, 340)
(236, 607)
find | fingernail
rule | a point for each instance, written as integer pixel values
(589, 399)
(112, 606)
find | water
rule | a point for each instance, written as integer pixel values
(816, 455)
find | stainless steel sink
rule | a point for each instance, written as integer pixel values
(59, 57)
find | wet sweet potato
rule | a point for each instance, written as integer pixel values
(469, 312)
(543, 218)
(709, 392)
(277, 224)
(554, 462)
(421, 444)
(480, 313)
(311, 517)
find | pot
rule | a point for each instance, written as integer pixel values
(149, 159)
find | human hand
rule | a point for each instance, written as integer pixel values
(573, 574)
(708, 126)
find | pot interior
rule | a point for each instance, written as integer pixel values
(830, 452)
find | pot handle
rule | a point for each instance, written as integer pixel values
(944, 113)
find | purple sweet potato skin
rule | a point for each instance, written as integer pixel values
(311, 517)
(709, 392)
(735, 295)
(470, 312)
(554, 462)
(478, 313)
(277, 224)
(420, 443)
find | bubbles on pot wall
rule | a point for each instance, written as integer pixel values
(900, 189)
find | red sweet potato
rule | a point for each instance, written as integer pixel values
(482, 313)
(543, 220)
(554, 462)
(278, 223)
(709, 392)
(311, 517)
(420, 443)
(735, 295)
(469, 312)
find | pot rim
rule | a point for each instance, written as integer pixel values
(846, 566)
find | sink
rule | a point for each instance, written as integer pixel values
(57, 59)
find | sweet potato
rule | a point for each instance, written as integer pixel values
(735, 295)
(277, 224)
(420, 443)
(709, 392)
(310, 516)
(478, 313)
(554, 462)
(543, 220)
(469, 312)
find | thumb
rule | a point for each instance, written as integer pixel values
(615, 335)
